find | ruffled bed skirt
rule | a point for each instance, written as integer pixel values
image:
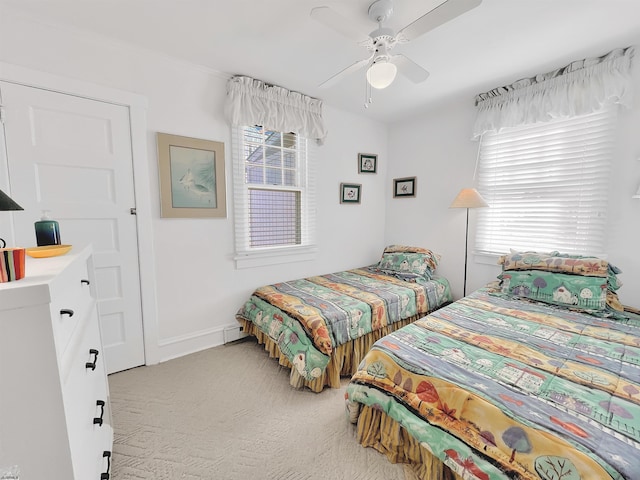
(377, 430)
(344, 360)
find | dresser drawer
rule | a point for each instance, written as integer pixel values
(86, 399)
(71, 301)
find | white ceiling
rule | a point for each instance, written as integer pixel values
(278, 42)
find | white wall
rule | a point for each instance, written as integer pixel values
(436, 148)
(199, 289)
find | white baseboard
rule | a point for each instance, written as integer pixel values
(174, 347)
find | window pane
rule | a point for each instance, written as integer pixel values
(274, 156)
(274, 217)
(255, 175)
(289, 140)
(289, 178)
(253, 134)
(273, 138)
(253, 153)
(289, 159)
(274, 176)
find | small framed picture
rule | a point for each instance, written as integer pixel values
(350, 192)
(367, 163)
(404, 187)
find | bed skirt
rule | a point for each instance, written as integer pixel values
(344, 360)
(379, 431)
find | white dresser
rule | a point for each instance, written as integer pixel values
(55, 417)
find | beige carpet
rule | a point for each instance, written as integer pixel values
(229, 413)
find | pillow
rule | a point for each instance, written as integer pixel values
(584, 292)
(408, 260)
(578, 282)
(555, 262)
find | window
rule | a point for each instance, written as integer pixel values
(546, 185)
(274, 197)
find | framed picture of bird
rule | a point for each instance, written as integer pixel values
(367, 163)
(350, 192)
(404, 187)
(192, 179)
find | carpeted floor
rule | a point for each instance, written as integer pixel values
(229, 413)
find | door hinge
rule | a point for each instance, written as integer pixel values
(133, 211)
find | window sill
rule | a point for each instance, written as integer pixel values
(265, 258)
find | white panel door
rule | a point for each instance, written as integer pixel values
(72, 156)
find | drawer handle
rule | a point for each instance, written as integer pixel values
(106, 454)
(66, 311)
(92, 365)
(98, 420)
(84, 281)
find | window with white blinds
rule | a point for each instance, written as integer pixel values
(274, 195)
(546, 185)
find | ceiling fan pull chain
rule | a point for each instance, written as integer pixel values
(367, 94)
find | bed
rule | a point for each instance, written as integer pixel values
(536, 376)
(320, 327)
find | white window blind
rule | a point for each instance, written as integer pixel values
(274, 194)
(546, 185)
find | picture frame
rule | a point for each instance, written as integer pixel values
(404, 187)
(367, 163)
(192, 177)
(350, 192)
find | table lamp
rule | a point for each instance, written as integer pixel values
(6, 204)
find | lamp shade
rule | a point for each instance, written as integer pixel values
(381, 74)
(468, 198)
(7, 204)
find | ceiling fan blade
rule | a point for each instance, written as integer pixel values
(444, 12)
(340, 75)
(337, 22)
(409, 68)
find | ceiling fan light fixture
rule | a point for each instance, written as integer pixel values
(381, 74)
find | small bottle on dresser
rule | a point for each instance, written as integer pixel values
(47, 230)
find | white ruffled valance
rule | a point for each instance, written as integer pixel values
(581, 87)
(253, 102)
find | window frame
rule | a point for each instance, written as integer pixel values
(247, 256)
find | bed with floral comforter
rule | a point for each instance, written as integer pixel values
(322, 326)
(502, 385)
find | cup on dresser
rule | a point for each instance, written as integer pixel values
(11, 264)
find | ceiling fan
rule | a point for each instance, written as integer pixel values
(382, 65)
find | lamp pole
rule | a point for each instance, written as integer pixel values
(467, 198)
(466, 246)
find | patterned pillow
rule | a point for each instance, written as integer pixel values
(577, 282)
(555, 262)
(408, 260)
(579, 291)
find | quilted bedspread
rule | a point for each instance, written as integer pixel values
(309, 317)
(502, 388)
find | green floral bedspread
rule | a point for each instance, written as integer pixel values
(502, 388)
(309, 317)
